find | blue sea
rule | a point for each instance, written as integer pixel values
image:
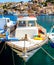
(40, 57)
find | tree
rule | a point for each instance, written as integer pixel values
(4, 6)
(52, 1)
(44, 3)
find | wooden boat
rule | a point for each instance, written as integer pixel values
(31, 36)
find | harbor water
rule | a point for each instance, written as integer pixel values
(8, 57)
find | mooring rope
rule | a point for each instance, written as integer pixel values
(2, 48)
(47, 53)
(13, 56)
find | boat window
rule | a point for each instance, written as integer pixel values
(22, 24)
(31, 23)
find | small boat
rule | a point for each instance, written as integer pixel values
(31, 36)
(5, 24)
(51, 37)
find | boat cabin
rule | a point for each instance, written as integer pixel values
(26, 25)
(26, 21)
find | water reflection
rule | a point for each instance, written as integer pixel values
(46, 21)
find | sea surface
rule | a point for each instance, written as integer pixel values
(40, 57)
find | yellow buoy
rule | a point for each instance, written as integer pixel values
(38, 38)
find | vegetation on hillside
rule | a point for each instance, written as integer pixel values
(52, 1)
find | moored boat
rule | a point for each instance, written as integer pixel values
(5, 24)
(31, 36)
(51, 37)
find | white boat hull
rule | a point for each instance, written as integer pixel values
(51, 37)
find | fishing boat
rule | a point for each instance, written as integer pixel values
(28, 37)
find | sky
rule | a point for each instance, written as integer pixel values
(13, 0)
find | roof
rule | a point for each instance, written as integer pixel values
(27, 18)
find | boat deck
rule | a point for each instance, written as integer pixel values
(30, 48)
(29, 45)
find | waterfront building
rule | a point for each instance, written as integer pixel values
(40, 1)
